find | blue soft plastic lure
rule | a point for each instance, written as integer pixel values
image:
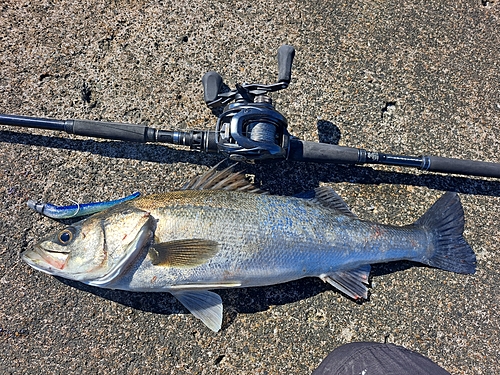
(76, 210)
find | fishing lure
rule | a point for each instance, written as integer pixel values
(76, 210)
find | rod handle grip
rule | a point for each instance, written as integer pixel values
(314, 152)
(110, 130)
(459, 166)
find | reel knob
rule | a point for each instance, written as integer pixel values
(286, 54)
(212, 85)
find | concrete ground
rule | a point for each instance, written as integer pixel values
(411, 78)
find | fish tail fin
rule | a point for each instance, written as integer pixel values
(445, 222)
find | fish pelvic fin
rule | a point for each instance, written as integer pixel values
(449, 249)
(205, 305)
(350, 282)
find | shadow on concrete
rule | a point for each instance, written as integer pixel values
(282, 178)
(235, 301)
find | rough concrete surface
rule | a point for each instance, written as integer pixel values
(412, 78)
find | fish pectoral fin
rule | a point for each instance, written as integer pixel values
(182, 253)
(351, 282)
(205, 305)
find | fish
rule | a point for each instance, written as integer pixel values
(221, 231)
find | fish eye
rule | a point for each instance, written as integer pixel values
(66, 235)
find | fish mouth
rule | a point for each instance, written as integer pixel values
(42, 260)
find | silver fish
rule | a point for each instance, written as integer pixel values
(220, 231)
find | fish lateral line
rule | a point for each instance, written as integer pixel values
(202, 286)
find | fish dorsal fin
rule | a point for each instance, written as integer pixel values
(222, 180)
(351, 282)
(203, 304)
(182, 253)
(329, 198)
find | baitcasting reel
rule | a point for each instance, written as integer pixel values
(250, 128)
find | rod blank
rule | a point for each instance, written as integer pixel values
(303, 151)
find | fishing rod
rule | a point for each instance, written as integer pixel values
(250, 129)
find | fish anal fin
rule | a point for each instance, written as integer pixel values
(205, 305)
(350, 282)
(182, 253)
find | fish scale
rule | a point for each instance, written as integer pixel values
(226, 233)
